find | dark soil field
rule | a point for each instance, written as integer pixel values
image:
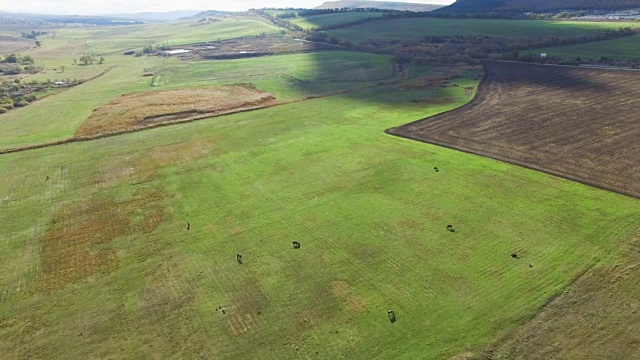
(581, 124)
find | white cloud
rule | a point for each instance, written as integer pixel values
(83, 7)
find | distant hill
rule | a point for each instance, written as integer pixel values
(208, 14)
(158, 16)
(483, 6)
(46, 19)
(385, 5)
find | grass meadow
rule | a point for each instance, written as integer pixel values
(626, 48)
(369, 211)
(398, 29)
(325, 20)
(288, 77)
(125, 247)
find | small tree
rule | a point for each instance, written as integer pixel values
(101, 59)
(38, 43)
(11, 59)
(27, 59)
(86, 59)
(75, 61)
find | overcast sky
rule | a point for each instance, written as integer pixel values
(84, 7)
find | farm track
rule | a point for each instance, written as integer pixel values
(579, 124)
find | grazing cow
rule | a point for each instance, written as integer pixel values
(47, 179)
(188, 226)
(436, 169)
(515, 256)
(530, 265)
(239, 258)
(296, 245)
(451, 228)
(392, 316)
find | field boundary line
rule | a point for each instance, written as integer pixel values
(395, 131)
(593, 67)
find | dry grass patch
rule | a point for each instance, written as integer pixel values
(77, 243)
(596, 318)
(148, 109)
(342, 291)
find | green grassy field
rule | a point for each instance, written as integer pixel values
(420, 27)
(369, 211)
(289, 77)
(626, 48)
(96, 260)
(109, 40)
(320, 21)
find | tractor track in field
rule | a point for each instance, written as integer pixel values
(576, 123)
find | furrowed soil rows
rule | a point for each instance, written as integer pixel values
(581, 124)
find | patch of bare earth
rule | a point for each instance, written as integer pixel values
(597, 318)
(581, 124)
(148, 109)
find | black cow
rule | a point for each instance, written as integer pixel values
(392, 316)
(239, 258)
(296, 245)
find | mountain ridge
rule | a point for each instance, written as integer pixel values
(384, 5)
(505, 6)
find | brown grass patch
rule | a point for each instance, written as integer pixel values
(342, 291)
(77, 244)
(596, 318)
(153, 219)
(245, 309)
(72, 248)
(140, 110)
(10, 44)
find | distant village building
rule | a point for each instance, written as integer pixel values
(58, 83)
(543, 55)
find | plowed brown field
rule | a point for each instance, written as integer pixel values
(581, 124)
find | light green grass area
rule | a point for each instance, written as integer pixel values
(109, 40)
(288, 77)
(368, 209)
(57, 117)
(320, 21)
(105, 40)
(96, 260)
(420, 27)
(626, 48)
